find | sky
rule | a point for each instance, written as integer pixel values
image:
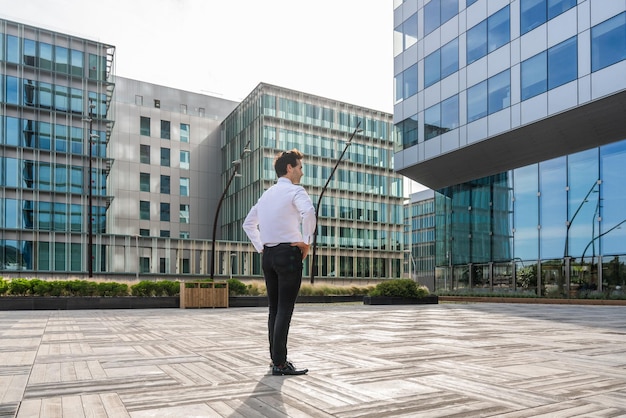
(339, 49)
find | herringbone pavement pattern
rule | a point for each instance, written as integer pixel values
(447, 360)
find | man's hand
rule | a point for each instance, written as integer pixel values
(304, 248)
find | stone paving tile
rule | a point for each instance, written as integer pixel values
(447, 360)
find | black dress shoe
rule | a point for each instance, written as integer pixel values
(287, 370)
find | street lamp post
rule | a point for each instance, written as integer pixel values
(566, 257)
(319, 201)
(92, 106)
(235, 173)
(232, 263)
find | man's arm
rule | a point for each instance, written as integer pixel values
(251, 227)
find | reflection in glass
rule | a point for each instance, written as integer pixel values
(499, 91)
(563, 63)
(477, 42)
(608, 42)
(498, 29)
(553, 208)
(534, 76)
(477, 101)
(533, 13)
(613, 193)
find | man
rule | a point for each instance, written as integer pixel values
(281, 227)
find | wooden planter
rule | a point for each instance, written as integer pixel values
(203, 295)
(392, 300)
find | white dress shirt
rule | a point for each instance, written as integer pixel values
(279, 214)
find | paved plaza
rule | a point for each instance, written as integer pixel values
(446, 360)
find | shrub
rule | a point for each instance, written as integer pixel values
(237, 287)
(19, 287)
(169, 288)
(112, 289)
(4, 286)
(406, 288)
(256, 289)
(144, 288)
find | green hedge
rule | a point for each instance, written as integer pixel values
(37, 287)
(406, 288)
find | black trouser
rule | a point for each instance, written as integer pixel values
(282, 268)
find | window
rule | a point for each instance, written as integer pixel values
(165, 184)
(549, 69)
(144, 154)
(441, 63)
(184, 214)
(184, 234)
(144, 128)
(438, 12)
(183, 109)
(164, 233)
(534, 75)
(144, 232)
(165, 129)
(468, 3)
(408, 131)
(184, 132)
(406, 83)
(184, 186)
(563, 62)
(157, 103)
(45, 55)
(534, 13)
(165, 212)
(405, 35)
(144, 264)
(488, 35)
(29, 53)
(608, 42)
(77, 62)
(489, 96)
(184, 160)
(61, 59)
(144, 210)
(499, 90)
(441, 118)
(144, 182)
(165, 157)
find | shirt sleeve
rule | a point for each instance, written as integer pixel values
(307, 212)
(251, 227)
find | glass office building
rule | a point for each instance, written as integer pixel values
(513, 112)
(360, 228)
(55, 125)
(109, 176)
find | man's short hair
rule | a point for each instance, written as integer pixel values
(285, 158)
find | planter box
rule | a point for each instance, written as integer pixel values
(29, 303)
(203, 295)
(394, 300)
(499, 299)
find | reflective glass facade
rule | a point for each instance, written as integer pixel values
(563, 220)
(527, 197)
(55, 113)
(360, 233)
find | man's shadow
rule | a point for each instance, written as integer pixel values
(266, 399)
